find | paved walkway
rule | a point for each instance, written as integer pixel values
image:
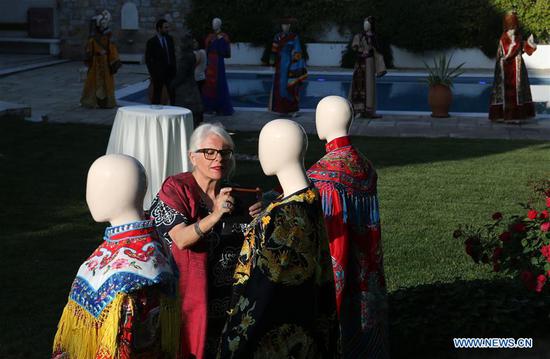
(53, 93)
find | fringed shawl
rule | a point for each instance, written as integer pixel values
(130, 259)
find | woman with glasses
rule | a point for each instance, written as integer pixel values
(190, 213)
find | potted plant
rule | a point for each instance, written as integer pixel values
(440, 79)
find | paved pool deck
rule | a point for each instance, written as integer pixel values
(53, 93)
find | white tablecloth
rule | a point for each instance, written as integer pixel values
(157, 137)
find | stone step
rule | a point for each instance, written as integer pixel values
(29, 45)
(8, 109)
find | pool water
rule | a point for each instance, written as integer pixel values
(395, 93)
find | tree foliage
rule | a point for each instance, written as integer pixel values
(414, 25)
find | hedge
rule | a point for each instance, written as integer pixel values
(414, 25)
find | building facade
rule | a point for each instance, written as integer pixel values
(67, 23)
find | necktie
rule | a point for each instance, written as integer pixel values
(165, 46)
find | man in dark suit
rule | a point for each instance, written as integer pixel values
(161, 61)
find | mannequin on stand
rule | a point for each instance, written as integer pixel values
(290, 70)
(123, 299)
(346, 181)
(215, 92)
(511, 99)
(283, 301)
(103, 62)
(369, 65)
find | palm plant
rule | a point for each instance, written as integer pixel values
(441, 73)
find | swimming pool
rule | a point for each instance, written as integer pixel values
(395, 93)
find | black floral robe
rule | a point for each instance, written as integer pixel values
(283, 302)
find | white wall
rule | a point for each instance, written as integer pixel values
(243, 53)
(473, 58)
(331, 53)
(325, 54)
(540, 59)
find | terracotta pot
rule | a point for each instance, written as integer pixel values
(440, 98)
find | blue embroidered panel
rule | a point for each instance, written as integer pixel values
(122, 282)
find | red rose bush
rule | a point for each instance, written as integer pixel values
(518, 245)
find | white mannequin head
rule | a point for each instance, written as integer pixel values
(285, 28)
(216, 24)
(366, 25)
(103, 20)
(281, 149)
(333, 117)
(115, 189)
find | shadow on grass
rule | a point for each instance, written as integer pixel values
(43, 171)
(425, 319)
(396, 152)
(47, 230)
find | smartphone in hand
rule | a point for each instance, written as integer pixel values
(244, 198)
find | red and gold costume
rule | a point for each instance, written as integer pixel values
(511, 95)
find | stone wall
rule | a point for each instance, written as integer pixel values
(74, 22)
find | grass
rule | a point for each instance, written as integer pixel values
(426, 188)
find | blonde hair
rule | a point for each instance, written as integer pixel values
(207, 129)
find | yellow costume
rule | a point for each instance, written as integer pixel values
(102, 60)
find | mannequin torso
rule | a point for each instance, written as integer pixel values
(511, 98)
(347, 182)
(114, 308)
(284, 265)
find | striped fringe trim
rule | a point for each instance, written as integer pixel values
(355, 208)
(170, 314)
(81, 336)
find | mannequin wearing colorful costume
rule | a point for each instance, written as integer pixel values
(511, 95)
(290, 71)
(215, 92)
(283, 302)
(369, 64)
(122, 303)
(103, 62)
(346, 181)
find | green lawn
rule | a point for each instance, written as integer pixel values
(426, 188)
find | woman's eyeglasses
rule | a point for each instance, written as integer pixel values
(211, 153)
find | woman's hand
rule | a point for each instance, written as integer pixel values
(255, 209)
(224, 203)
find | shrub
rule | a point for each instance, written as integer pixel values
(414, 25)
(518, 245)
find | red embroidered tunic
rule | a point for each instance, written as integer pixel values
(511, 94)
